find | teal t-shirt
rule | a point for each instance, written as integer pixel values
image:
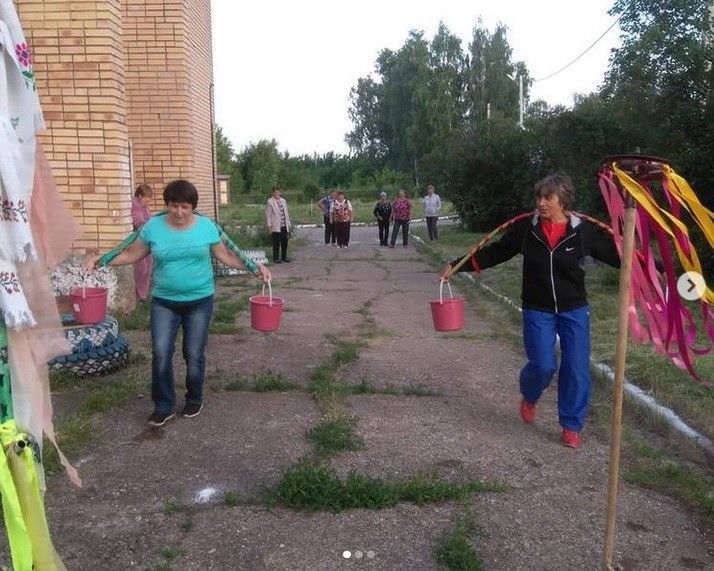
(182, 258)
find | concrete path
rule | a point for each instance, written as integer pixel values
(156, 496)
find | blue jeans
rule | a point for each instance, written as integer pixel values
(166, 316)
(574, 385)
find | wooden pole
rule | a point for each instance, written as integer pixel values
(620, 355)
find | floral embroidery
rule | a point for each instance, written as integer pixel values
(9, 281)
(23, 54)
(25, 59)
(9, 212)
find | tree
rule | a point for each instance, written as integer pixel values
(491, 74)
(446, 103)
(226, 162)
(660, 81)
(259, 164)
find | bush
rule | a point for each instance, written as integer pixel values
(489, 174)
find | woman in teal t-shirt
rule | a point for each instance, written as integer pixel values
(181, 243)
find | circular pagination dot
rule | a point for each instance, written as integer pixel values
(346, 554)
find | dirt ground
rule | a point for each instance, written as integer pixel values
(551, 517)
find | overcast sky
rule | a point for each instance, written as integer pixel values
(284, 69)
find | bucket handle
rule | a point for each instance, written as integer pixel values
(441, 291)
(270, 293)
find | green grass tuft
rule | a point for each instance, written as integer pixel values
(455, 552)
(334, 436)
(262, 381)
(312, 485)
(138, 319)
(230, 499)
(652, 469)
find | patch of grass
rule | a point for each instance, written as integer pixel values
(77, 430)
(322, 382)
(230, 499)
(364, 387)
(366, 309)
(652, 469)
(262, 381)
(225, 314)
(345, 352)
(312, 485)
(137, 319)
(455, 552)
(246, 237)
(169, 555)
(334, 436)
(417, 391)
(187, 524)
(174, 505)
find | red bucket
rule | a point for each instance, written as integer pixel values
(89, 304)
(266, 311)
(448, 314)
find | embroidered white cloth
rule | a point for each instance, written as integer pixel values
(20, 119)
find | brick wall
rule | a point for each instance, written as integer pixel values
(118, 73)
(78, 52)
(200, 77)
(168, 76)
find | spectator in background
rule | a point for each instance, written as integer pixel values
(341, 216)
(401, 213)
(139, 216)
(383, 214)
(432, 206)
(278, 222)
(325, 204)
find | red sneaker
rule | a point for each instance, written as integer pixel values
(570, 438)
(528, 411)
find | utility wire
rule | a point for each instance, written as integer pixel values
(591, 46)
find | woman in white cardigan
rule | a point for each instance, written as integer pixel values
(278, 222)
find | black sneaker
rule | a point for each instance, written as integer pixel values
(191, 410)
(286, 261)
(160, 418)
(277, 262)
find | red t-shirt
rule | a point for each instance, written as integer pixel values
(554, 231)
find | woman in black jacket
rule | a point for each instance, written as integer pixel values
(383, 213)
(555, 244)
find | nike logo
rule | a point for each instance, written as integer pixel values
(570, 249)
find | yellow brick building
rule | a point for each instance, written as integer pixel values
(126, 89)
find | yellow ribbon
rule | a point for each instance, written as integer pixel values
(23, 508)
(666, 220)
(19, 539)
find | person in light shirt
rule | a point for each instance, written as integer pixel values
(432, 207)
(278, 223)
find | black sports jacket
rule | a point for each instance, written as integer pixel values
(553, 279)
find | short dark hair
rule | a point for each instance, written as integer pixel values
(143, 190)
(559, 184)
(181, 191)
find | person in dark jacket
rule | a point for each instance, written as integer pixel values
(383, 213)
(555, 244)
